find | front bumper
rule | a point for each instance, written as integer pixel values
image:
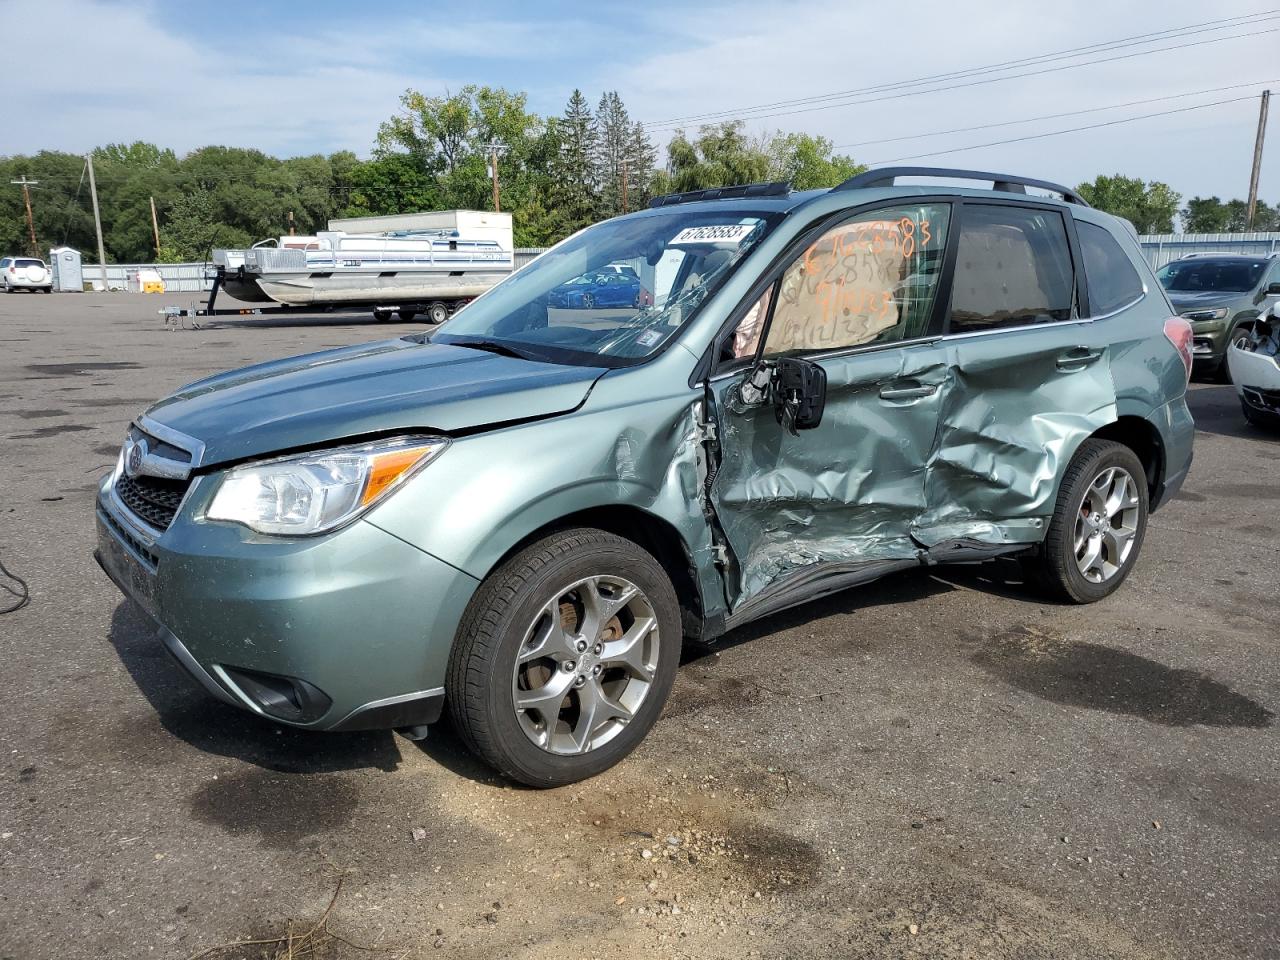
(1253, 371)
(341, 632)
(1209, 340)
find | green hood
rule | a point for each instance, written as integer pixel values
(373, 388)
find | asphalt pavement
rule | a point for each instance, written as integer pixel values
(937, 765)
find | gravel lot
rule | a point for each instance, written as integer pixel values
(932, 766)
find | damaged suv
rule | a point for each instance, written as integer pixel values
(521, 515)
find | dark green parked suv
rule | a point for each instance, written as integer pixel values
(1221, 295)
(521, 515)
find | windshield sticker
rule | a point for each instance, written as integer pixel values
(727, 233)
(649, 338)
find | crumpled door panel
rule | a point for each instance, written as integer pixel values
(1016, 408)
(845, 492)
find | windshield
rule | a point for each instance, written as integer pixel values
(1222, 276)
(613, 294)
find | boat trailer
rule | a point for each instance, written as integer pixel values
(435, 311)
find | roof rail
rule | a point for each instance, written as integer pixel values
(1005, 183)
(777, 188)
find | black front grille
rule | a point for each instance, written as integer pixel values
(154, 500)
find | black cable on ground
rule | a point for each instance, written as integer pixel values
(21, 591)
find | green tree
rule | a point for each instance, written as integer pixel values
(613, 125)
(1205, 215)
(807, 161)
(59, 203)
(193, 228)
(573, 172)
(641, 159)
(390, 184)
(448, 138)
(1150, 207)
(128, 176)
(720, 156)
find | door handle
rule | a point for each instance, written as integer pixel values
(913, 392)
(1078, 358)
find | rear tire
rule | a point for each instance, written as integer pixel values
(534, 613)
(588, 301)
(437, 312)
(382, 316)
(1097, 528)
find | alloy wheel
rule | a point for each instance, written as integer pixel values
(586, 664)
(1106, 524)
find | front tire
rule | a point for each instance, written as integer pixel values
(1098, 524)
(565, 658)
(437, 312)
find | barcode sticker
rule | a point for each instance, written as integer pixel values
(725, 233)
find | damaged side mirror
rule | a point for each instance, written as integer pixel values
(799, 393)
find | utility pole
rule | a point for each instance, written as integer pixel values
(155, 226)
(495, 148)
(97, 220)
(624, 184)
(31, 223)
(1257, 157)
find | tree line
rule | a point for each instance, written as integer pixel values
(557, 174)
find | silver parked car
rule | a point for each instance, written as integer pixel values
(25, 273)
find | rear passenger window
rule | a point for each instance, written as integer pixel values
(1113, 283)
(1013, 268)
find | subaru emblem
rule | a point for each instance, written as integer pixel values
(135, 452)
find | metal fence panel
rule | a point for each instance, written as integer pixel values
(177, 277)
(1161, 248)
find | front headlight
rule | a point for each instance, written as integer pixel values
(315, 492)
(1219, 314)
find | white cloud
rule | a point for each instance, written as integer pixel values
(115, 72)
(767, 52)
(120, 76)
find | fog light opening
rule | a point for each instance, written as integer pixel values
(284, 698)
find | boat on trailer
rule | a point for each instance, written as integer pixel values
(428, 263)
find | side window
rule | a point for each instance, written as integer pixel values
(1113, 283)
(871, 279)
(1273, 275)
(746, 336)
(1013, 268)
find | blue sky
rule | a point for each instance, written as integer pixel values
(295, 78)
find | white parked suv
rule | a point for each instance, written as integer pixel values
(25, 273)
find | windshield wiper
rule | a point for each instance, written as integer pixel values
(496, 346)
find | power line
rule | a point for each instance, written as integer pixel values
(1207, 26)
(1012, 76)
(1058, 133)
(1050, 116)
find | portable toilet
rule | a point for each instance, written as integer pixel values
(68, 277)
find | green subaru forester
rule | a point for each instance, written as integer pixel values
(522, 514)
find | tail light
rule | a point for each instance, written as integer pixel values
(1178, 332)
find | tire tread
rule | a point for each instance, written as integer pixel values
(476, 650)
